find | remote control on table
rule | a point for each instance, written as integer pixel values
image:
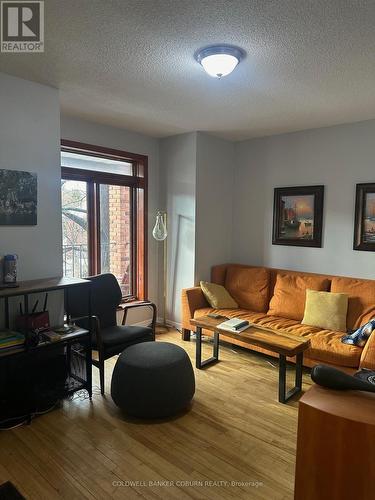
(216, 316)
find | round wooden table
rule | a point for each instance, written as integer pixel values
(335, 445)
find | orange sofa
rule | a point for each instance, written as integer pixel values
(275, 298)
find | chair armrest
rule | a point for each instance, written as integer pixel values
(80, 318)
(191, 300)
(96, 326)
(368, 354)
(133, 305)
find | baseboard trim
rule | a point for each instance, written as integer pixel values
(142, 323)
(160, 321)
(172, 324)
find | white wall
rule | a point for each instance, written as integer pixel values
(197, 187)
(338, 157)
(29, 140)
(214, 200)
(79, 130)
(178, 162)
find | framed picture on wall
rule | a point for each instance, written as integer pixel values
(298, 216)
(364, 222)
(18, 198)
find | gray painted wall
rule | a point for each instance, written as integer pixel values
(178, 193)
(29, 140)
(338, 157)
(214, 200)
(197, 193)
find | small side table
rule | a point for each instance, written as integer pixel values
(335, 445)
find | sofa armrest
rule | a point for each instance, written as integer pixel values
(192, 299)
(368, 354)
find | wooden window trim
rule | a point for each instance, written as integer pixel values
(138, 183)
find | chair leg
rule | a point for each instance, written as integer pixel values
(101, 375)
(185, 334)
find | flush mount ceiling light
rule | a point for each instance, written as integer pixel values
(219, 60)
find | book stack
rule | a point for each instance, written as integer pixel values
(234, 325)
(9, 339)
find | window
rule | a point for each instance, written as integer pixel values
(104, 195)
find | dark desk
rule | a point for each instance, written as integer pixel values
(25, 372)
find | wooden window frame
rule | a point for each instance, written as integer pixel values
(138, 183)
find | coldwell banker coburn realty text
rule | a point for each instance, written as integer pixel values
(22, 26)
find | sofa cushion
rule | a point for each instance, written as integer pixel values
(261, 319)
(326, 346)
(217, 295)
(361, 306)
(326, 310)
(252, 317)
(284, 324)
(249, 287)
(289, 296)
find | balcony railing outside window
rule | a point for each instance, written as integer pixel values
(76, 263)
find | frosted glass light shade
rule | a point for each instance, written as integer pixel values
(219, 60)
(219, 65)
(160, 231)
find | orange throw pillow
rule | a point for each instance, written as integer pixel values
(249, 286)
(361, 305)
(289, 295)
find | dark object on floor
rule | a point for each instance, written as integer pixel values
(9, 492)
(153, 380)
(109, 339)
(338, 380)
(32, 382)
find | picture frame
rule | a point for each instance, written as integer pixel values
(18, 198)
(298, 216)
(364, 218)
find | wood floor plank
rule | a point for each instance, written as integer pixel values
(236, 442)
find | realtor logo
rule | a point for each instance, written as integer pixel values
(22, 26)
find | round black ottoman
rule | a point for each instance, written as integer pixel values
(153, 380)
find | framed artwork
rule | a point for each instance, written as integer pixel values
(364, 222)
(18, 198)
(298, 216)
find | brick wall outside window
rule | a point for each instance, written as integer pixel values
(119, 234)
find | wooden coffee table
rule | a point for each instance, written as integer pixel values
(283, 343)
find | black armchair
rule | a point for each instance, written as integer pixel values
(108, 337)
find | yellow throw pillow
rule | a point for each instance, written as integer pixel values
(326, 310)
(217, 296)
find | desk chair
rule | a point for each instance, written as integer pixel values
(108, 338)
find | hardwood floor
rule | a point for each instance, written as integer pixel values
(237, 441)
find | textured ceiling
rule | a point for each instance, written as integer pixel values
(129, 63)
